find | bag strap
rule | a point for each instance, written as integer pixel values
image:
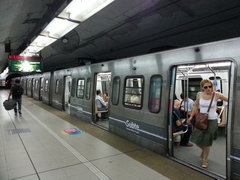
(176, 115)
(211, 102)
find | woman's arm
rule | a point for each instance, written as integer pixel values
(222, 97)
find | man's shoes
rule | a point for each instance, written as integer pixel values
(20, 113)
(187, 145)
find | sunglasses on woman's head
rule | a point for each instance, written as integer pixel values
(205, 87)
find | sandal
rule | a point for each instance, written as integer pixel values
(204, 163)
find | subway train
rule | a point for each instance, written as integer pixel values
(141, 90)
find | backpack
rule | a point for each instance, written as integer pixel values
(17, 91)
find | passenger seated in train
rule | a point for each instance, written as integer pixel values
(106, 97)
(180, 125)
(186, 106)
(101, 105)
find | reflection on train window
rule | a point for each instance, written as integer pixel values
(155, 93)
(80, 88)
(133, 92)
(33, 84)
(36, 84)
(57, 86)
(115, 90)
(88, 88)
(46, 85)
(73, 87)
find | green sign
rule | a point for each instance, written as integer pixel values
(18, 65)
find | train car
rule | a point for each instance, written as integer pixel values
(37, 86)
(45, 84)
(142, 90)
(24, 84)
(3, 80)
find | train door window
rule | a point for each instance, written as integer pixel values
(41, 88)
(133, 92)
(33, 84)
(88, 88)
(116, 90)
(57, 86)
(46, 85)
(80, 88)
(36, 84)
(155, 93)
(184, 139)
(73, 87)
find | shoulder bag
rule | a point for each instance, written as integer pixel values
(201, 121)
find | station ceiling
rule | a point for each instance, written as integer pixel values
(124, 28)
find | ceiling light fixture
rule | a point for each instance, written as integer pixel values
(77, 11)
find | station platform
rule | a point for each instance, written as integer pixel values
(45, 143)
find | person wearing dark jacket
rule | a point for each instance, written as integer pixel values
(16, 93)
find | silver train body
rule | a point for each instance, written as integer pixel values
(149, 129)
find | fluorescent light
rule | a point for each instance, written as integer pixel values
(33, 49)
(80, 10)
(58, 28)
(28, 54)
(42, 41)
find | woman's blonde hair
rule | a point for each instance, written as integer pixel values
(204, 81)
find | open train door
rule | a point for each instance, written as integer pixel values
(101, 106)
(184, 85)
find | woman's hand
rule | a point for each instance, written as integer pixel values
(189, 121)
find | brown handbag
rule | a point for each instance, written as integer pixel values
(201, 121)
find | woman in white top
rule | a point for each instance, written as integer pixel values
(204, 138)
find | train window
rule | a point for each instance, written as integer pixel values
(116, 90)
(88, 88)
(57, 86)
(73, 87)
(133, 92)
(46, 85)
(155, 93)
(80, 88)
(36, 84)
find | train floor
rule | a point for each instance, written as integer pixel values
(39, 145)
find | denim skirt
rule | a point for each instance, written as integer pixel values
(205, 137)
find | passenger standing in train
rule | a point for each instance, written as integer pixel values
(186, 106)
(179, 126)
(16, 92)
(204, 138)
(100, 103)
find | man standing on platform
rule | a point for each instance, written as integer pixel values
(17, 92)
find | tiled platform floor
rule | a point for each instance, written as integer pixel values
(39, 150)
